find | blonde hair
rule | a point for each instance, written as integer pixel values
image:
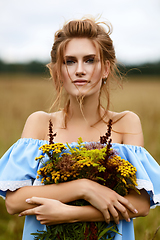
(83, 28)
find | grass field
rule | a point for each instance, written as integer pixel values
(21, 95)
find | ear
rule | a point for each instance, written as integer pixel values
(106, 69)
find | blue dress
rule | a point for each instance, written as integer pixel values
(18, 168)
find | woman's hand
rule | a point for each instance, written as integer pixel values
(106, 205)
(108, 202)
(48, 211)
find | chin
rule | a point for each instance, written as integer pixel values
(78, 93)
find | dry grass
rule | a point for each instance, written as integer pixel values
(21, 95)
(142, 97)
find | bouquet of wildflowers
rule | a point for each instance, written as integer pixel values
(96, 161)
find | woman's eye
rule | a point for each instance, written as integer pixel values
(69, 62)
(90, 60)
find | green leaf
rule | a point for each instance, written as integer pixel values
(112, 228)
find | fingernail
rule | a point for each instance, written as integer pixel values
(19, 215)
(135, 210)
(28, 200)
(128, 220)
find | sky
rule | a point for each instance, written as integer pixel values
(27, 27)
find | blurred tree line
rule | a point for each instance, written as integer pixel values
(143, 69)
(36, 67)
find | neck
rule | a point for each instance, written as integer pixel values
(85, 110)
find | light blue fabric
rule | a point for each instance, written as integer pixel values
(18, 168)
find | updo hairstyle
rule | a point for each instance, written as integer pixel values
(84, 28)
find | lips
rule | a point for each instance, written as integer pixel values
(80, 82)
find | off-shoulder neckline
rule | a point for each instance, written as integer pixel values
(41, 141)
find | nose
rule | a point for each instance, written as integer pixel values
(80, 71)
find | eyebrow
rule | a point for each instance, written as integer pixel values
(86, 56)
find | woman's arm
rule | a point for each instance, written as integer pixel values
(52, 212)
(104, 199)
(64, 192)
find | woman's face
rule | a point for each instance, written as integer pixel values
(81, 70)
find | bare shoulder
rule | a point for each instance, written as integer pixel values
(128, 123)
(36, 124)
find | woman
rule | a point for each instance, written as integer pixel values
(83, 62)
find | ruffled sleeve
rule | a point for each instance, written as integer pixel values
(148, 170)
(18, 167)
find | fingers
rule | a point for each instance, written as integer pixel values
(28, 212)
(123, 205)
(117, 207)
(114, 210)
(114, 214)
(128, 205)
(123, 211)
(34, 211)
(35, 200)
(106, 215)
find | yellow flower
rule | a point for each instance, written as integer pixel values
(39, 158)
(124, 181)
(42, 181)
